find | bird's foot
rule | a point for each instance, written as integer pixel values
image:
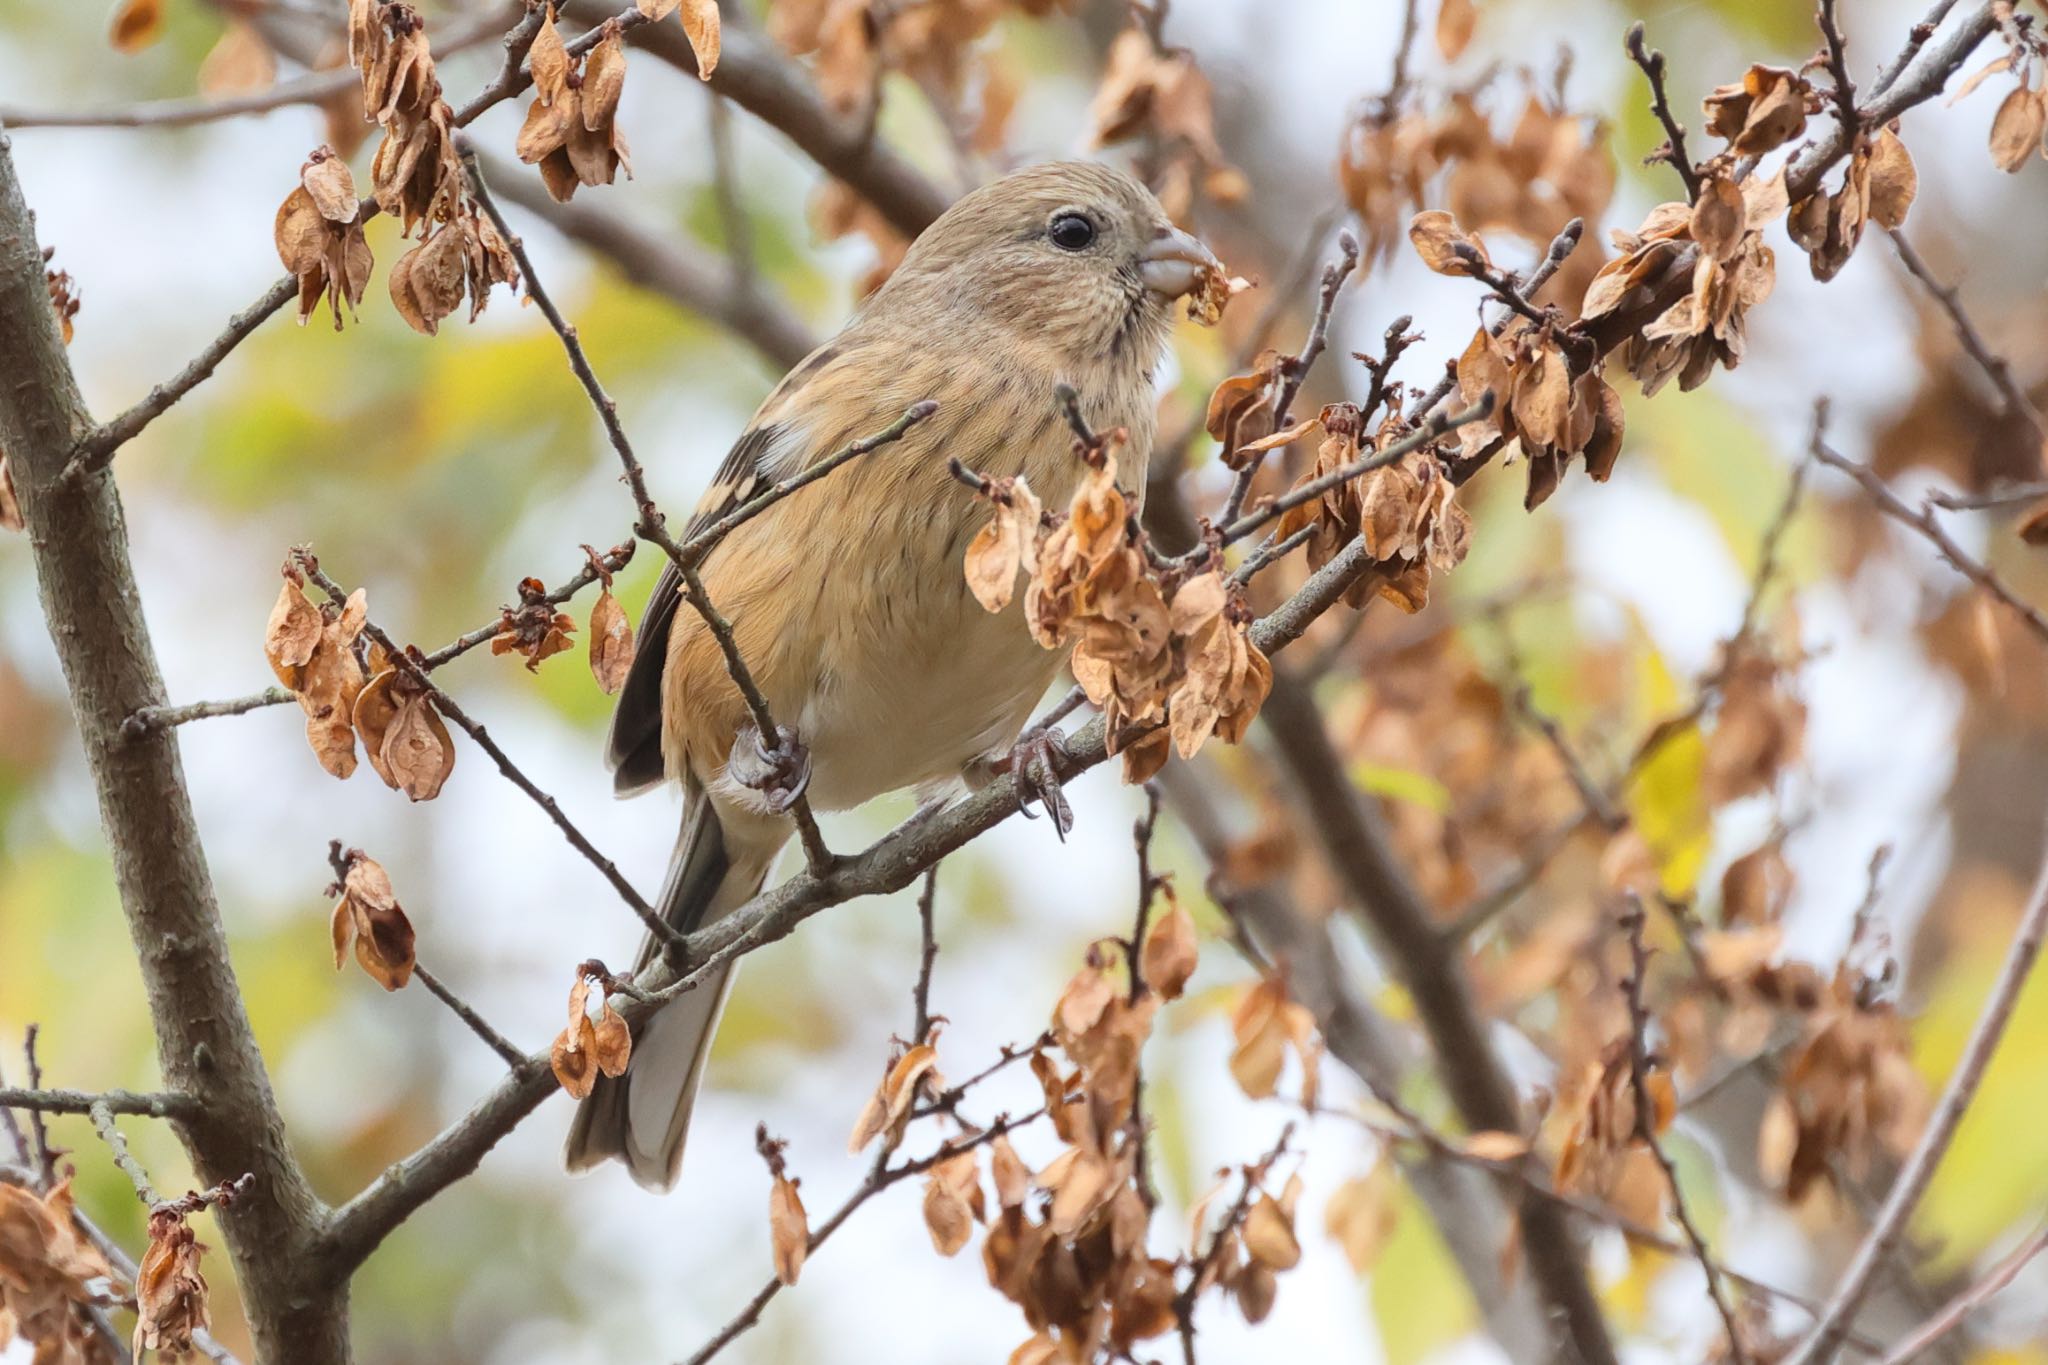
(780, 772)
(1035, 761)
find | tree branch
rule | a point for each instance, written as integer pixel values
(1914, 1176)
(1928, 1334)
(655, 262)
(1405, 929)
(1646, 1125)
(777, 92)
(477, 1024)
(1673, 151)
(447, 706)
(1923, 521)
(156, 1105)
(2017, 404)
(1462, 1202)
(205, 1046)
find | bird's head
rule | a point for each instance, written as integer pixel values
(1073, 255)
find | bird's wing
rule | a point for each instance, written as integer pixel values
(775, 445)
(633, 750)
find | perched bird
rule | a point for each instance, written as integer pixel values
(847, 599)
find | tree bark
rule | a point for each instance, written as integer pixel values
(79, 543)
(1402, 925)
(1463, 1202)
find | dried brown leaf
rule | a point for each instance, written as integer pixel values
(2017, 127)
(1455, 21)
(789, 1233)
(1893, 181)
(1445, 247)
(136, 24)
(549, 62)
(701, 27)
(1170, 952)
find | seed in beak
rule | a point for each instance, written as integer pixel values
(1173, 263)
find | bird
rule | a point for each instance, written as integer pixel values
(848, 600)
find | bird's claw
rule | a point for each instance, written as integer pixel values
(780, 772)
(1035, 761)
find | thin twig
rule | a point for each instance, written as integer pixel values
(927, 957)
(1598, 804)
(1220, 1240)
(1432, 428)
(1270, 552)
(663, 932)
(1646, 1125)
(1770, 550)
(1295, 369)
(1991, 499)
(1838, 67)
(880, 1179)
(1404, 52)
(1920, 1165)
(1916, 38)
(1949, 296)
(46, 1161)
(1923, 521)
(314, 87)
(117, 1147)
(478, 1025)
(153, 1105)
(1652, 64)
(164, 717)
(1561, 246)
(595, 566)
(1923, 1338)
(515, 77)
(1515, 882)
(1138, 1126)
(816, 855)
(702, 542)
(948, 1100)
(95, 451)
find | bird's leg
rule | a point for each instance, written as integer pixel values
(1035, 761)
(779, 772)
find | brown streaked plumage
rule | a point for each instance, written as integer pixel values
(848, 599)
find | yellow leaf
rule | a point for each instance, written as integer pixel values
(1667, 799)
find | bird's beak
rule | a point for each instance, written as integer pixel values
(1173, 263)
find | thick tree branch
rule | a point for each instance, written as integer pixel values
(1405, 929)
(204, 1043)
(777, 92)
(1463, 1203)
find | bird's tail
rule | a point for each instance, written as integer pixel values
(642, 1116)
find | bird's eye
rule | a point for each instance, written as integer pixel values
(1071, 232)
